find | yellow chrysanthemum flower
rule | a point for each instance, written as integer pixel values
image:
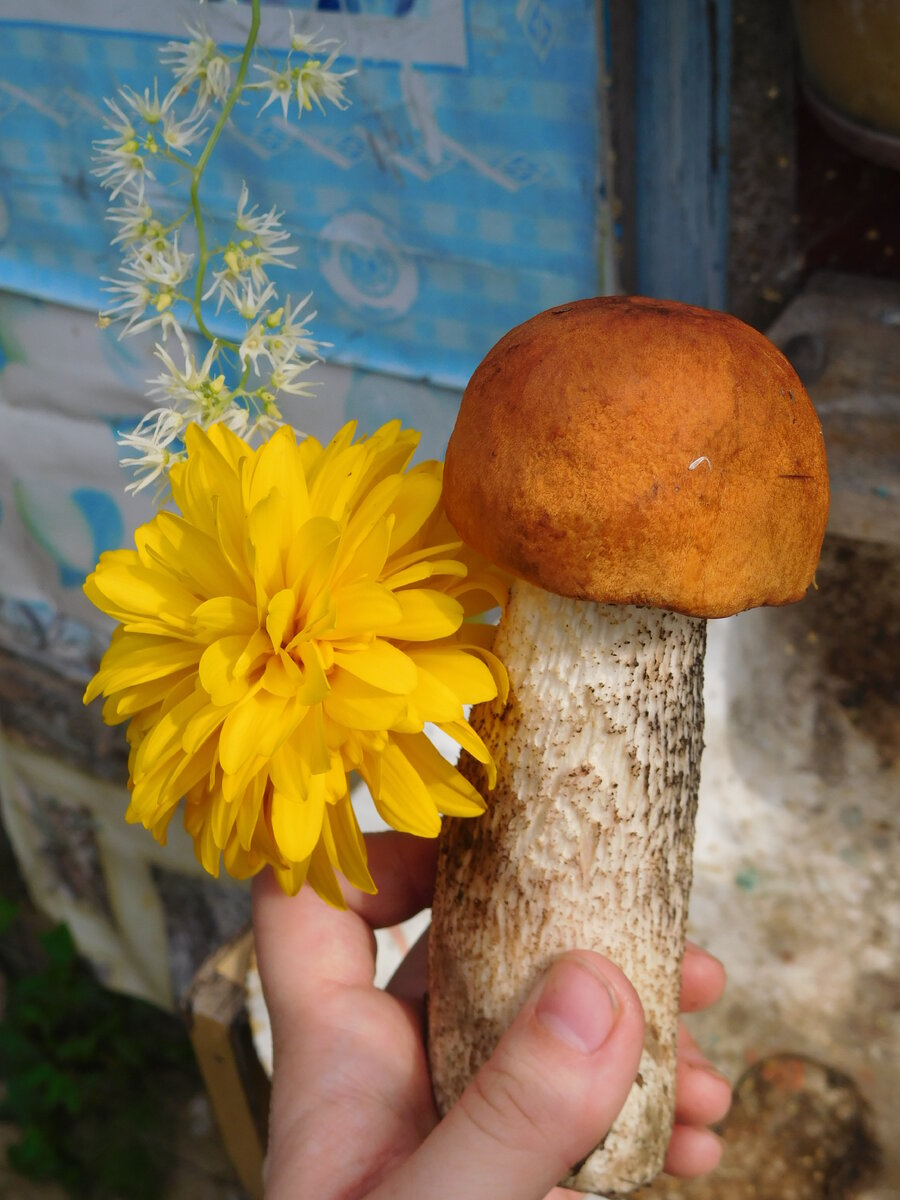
(303, 617)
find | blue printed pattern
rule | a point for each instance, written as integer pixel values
(442, 208)
(62, 501)
(74, 526)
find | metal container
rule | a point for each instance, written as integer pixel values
(850, 50)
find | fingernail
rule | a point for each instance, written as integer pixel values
(694, 1057)
(577, 1005)
(698, 1061)
(715, 1073)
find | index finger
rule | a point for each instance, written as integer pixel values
(702, 979)
(402, 866)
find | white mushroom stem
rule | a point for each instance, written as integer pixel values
(587, 842)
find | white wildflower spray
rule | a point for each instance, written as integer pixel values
(158, 144)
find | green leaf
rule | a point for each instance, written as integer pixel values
(59, 945)
(34, 1155)
(71, 1052)
(8, 913)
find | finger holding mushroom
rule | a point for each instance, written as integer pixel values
(639, 466)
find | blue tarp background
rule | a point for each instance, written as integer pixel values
(446, 204)
(461, 192)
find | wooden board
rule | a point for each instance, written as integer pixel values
(237, 1085)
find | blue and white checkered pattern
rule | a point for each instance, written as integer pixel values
(443, 207)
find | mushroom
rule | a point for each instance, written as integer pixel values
(638, 466)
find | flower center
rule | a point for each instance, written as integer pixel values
(300, 637)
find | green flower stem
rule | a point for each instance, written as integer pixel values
(176, 224)
(197, 173)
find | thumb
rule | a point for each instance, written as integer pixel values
(546, 1097)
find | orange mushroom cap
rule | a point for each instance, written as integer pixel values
(635, 451)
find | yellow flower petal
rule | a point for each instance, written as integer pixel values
(207, 491)
(266, 524)
(142, 698)
(282, 676)
(316, 621)
(201, 726)
(310, 558)
(222, 817)
(364, 608)
(236, 784)
(133, 659)
(128, 590)
(297, 820)
(424, 569)
(402, 798)
(321, 877)
(390, 451)
(339, 474)
(303, 754)
(164, 739)
(346, 846)
(489, 591)
(433, 700)
(217, 670)
(291, 876)
(233, 539)
(451, 792)
(311, 742)
(206, 850)
(280, 617)
(277, 467)
(257, 725)
(463, 733)
(379, 663)
(299, 618)
(199, 560)
(166, 781)
(253, 653)
(239, 862)
(359, 705)
(250, 808)
(478, 639)
(222, 615)
(231, 447)
(363, 553)
(422, 554)
(464, 675)
(366, 560)
(415, 504)
(425, 615)
(316, 685)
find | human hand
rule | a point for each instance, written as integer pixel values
(352, 1114)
